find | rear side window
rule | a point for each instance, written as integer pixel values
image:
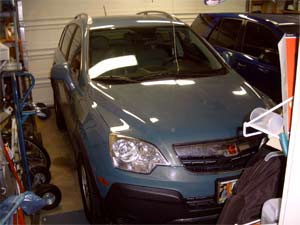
(62, 38)
(67, 38)
(290, 29)
(226, 33)
(258, 38)
(203, 24)
(74, 58)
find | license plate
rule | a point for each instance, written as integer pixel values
(224, 188)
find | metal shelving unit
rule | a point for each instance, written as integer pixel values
(16, 86)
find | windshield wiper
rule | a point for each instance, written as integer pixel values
(154, 76)
(179, 75)
(115, 79)
(221, 71)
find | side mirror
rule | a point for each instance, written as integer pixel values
(269, 56)
(226, 56)
(62, 72)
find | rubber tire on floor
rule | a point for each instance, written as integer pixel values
(34, 171)
(60, 122)
(44, 109)
(44, 159)
(93, 207)
(44, 189)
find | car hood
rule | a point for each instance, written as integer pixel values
(176, 111)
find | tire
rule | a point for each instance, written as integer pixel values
(36, 154)
(50, 193)
(93, 205)
(60, 122)
(39, 175)
(45, 110)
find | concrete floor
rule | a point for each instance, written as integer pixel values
(63, 167)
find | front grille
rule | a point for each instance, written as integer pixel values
(203, 204)
(203, 210)
(216, 156)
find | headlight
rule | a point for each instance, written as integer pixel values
(134, 155)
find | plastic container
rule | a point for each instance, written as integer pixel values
(271, 122)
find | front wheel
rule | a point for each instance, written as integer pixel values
(60, 122)
(90, 198)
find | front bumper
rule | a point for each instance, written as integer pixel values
(139, 204)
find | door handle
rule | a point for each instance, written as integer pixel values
(241, 65)
(264, 70)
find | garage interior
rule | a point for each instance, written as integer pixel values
(30, 33)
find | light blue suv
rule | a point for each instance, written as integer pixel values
(155, 117)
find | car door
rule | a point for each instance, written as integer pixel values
(226, 39)
(61, 89)
(260, 62)
(76, 105)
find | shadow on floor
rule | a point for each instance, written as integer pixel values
(74, 217)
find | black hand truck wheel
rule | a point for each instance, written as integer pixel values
(37, 154)
(39, 175)
(50, 193)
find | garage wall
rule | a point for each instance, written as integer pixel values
(45, 19)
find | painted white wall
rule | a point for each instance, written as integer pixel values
(289, 213)
(45, 19)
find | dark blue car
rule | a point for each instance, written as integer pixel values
(248, 42)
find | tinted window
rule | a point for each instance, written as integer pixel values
(226, 33)
(290, 29)
(203, 24)
(257, 39)
(74, 57)
(150, 51)
(67, 38)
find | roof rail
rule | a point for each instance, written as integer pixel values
(89, 19)
(81, 15)
(167, 15)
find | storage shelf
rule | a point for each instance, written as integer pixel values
(5, 14)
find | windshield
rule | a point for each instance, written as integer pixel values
(142, 53)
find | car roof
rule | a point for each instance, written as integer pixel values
(132, 21)
(275, 19)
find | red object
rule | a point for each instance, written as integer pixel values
(103, 181)
(19, 218)
(232, 149)
(13, 169)
(291, 56)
